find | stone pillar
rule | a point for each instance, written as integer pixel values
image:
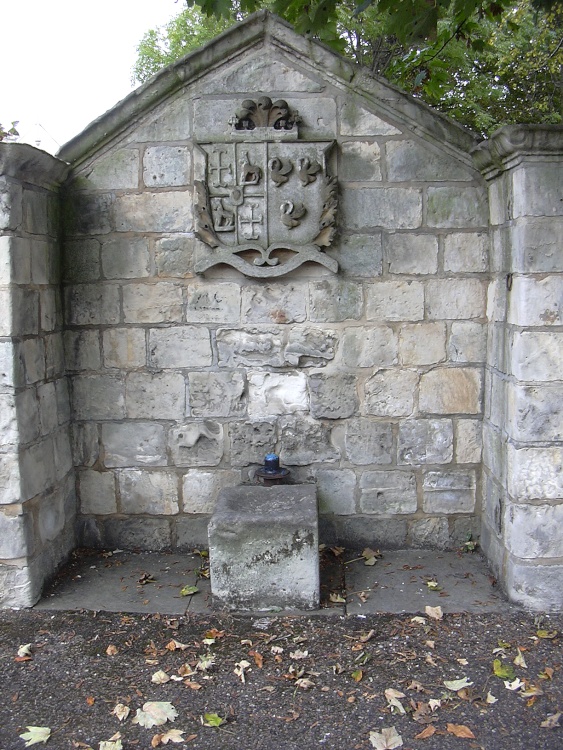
(36, 474)
(522, 532)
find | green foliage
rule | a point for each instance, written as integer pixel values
(483, 62)
(9, 134)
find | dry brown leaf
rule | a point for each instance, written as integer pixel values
(552, 721)
(434, 612)
(258, 659)
(426, 733)
(90, 700)
(460, 730)
(111, 650)
(192, 685)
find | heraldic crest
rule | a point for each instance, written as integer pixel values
(268, 203)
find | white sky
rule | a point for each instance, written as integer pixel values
(65, 62)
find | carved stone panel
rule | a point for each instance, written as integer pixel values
(268, 202)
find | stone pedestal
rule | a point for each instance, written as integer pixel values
(263, 548)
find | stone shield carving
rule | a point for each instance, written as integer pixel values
(268, 202)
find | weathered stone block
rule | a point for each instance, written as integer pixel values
(388, 492)
(217, 394)
(395, 300)
(534, 586)
(537, 190)
(333, 395)
(136, 533)
(213, 303)
(263, 548)
(118, 170)
(448, 492)
(274, 304)
(457, 207)
(88, 213)
(536, 302)
(432, 533)
(166, 166)
(422, 343)
(252, 347)
(455, 299)
(85, 443)
(152, 303)
(390, 393)
(124, 348)
(262, 73)
(11, 204)
(375, 346)
(533, 531)
(15, 536)
(134, 444)
(27, 415)
(466, 252)
(537, 355)
(98, 397)
(409, 160)
(180, 346)
(467, 342)
(359, 161)
(9, 478)
(336, 491)
(201, 488)
(305, 441)
(449, 390)
(50, 309)
(37, 468)
(334, 300)
(197, 444)
(356, 120)
(51, 518)
(8, 420)
(125, 258)
(425, 441)
(358, 255)
(535, 413)
(251, 441)
(536, 245)
(155, 395)
(310, 347)
(412, 253)
(89, 304)
(54, 356)
(82, 350)
(175, 256)
(48, 412)
(25, 311)
(395, 208)
(154, 212)
(170, 121)
(535, 473)
(271, 393)
(151, 492)
(368, 442)
(96, 492)
(468, 441)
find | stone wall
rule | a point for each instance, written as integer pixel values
(523, 429)
(368, 382)
(37, 496)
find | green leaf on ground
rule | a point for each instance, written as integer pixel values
(504, 671)
(189, 591)
(212, 720)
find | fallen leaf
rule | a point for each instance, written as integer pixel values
(419, 620)
(34, 735)
(463, 662)
(387, 739)
(304, 683)
(414, 685)
(174, 645)
(547, 674)
(426, 733)
(435, 704)
(160, 677)
(214, 633)
(121, 711)
(337, 598)
(189, 591)
(173, 735)
(25, 651)
(240, 668)
(276, 650)
(456, 685)
(90, 700)
(205, 662)
(490, 698)
(434, 612)
(504, 671)
(515, 685)
(111, 650)
(192, 685)
(519, 661)
(298, 654)
(460, 730)
(114, 743)
(258, 659)
(433, 585)
(392, 697)
(547, 634)
(155, 713)
(551, 722)
(531, 691)
(357, 675)
(212, 720)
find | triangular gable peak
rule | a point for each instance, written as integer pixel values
(265, 52)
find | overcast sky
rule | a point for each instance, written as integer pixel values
(65, 62)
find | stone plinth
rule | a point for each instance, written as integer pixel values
(263, 548)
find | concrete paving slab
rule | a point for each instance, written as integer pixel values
(151, 582)
(398, 583)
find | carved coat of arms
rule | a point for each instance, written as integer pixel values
(268, 203)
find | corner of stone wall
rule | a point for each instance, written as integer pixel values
(37, 494)
(522, 530)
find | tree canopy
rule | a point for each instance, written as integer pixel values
(483, 63)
